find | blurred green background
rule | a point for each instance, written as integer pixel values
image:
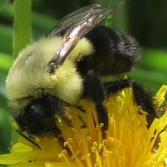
(145, 20)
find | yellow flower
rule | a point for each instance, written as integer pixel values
(128, 142)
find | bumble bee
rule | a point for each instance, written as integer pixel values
(65, 67)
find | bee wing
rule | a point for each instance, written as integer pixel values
(74, 26)
(71, 19)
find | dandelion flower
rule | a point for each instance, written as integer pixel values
(128, 142)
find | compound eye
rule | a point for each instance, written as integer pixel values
(37, 109)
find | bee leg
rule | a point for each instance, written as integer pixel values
(93, 89)
(142, 97)
(115, 86)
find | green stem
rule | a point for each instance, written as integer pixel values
(22, 25)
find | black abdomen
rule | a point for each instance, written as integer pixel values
(115, 52)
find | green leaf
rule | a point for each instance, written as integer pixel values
(155, 59)
(2, 3)
(6, 39)
(2, 87)
(22, 25)
(6, 62)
